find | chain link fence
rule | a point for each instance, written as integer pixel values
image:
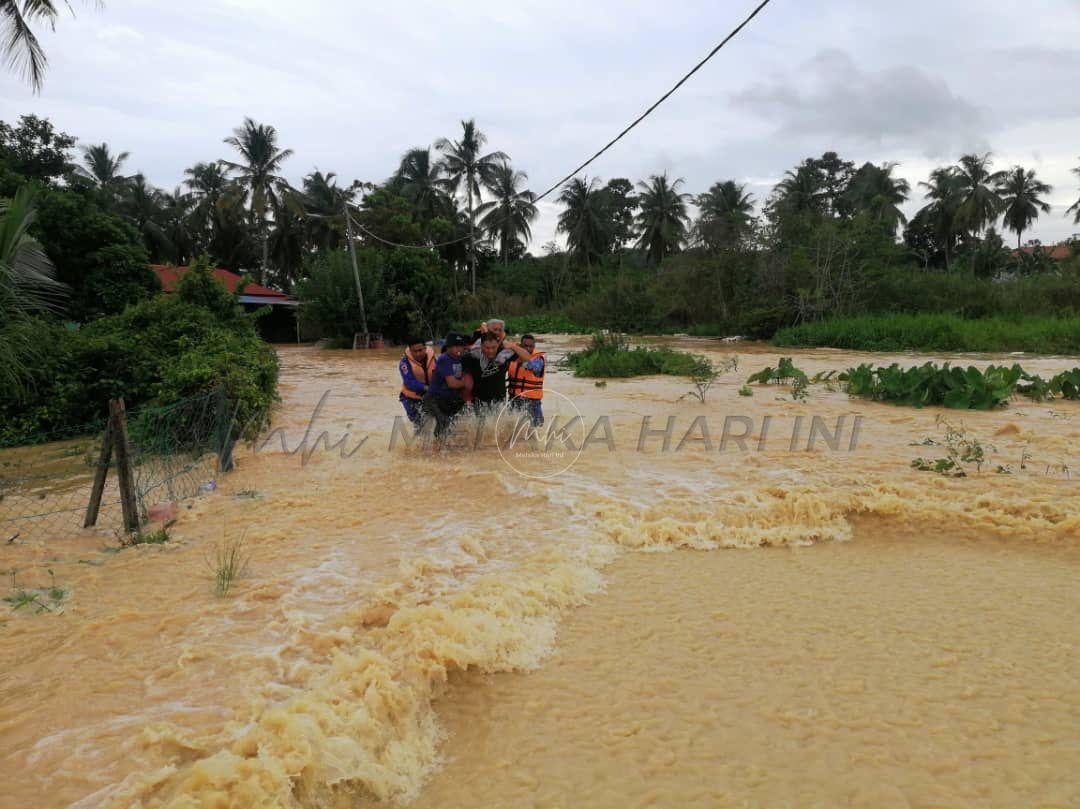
(176, 452)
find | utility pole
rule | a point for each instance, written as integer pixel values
(356, 277)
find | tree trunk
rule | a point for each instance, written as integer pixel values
(472, 235)
(265, 253)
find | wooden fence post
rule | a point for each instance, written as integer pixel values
(125, 475)
(104, 459)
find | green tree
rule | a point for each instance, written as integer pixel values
(1074, 209)
(258, 175)
(506, 218)
(207, 184)
(945, 190)
(726, 215)
(32, 150)
(102, 168)
(99, 255)
(1020, 192)
(980, 203)
(323, 203)
(876, 193)
(20, 46)
(663, 217)
(463, 164)
(176, 225)
(142, 205)
(419, 179)
(583, 220)
(620, 206)
(28, 287)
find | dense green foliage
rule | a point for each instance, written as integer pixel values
(954, 387)
(610, 355)
(942, 333)
(153, 353)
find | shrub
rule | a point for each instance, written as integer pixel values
(1047, 335)
(155, 353)
(610, 355)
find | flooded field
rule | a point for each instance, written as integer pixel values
(708, 605)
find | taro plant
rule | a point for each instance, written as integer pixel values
(785, 372)
(962, 451)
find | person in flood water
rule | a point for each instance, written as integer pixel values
(486, 364)
(525, 379)
(416, 368)
(443, 399)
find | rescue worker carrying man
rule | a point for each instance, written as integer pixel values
(525, 380)
(416, 367)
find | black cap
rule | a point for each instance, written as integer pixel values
(456, 338)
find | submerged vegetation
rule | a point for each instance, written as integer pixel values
(955, 387)
(937, 332)
(610, 355)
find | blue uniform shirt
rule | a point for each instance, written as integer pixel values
(445, 366)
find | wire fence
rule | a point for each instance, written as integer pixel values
(177, 452)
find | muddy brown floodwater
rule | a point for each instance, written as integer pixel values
(772, 611)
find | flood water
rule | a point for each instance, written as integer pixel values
(770, 623)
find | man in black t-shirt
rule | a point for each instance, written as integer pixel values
(487, 364)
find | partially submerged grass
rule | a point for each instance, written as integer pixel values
(932, 333)
(21, 597)
(610, 355)
(227, 562)
(156, 537)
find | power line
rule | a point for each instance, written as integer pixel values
(734, 33)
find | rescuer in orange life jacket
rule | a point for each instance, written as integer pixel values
(525, 380)
(416, 368)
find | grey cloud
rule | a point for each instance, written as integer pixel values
(832, 95)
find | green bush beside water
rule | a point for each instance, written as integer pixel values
(896, 332)
(610, 355)
(154, 353)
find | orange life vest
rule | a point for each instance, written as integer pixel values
(520, 381)
(421, 372)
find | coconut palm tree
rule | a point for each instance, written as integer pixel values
(176, 224)
(506, 218)
(801, 191)
(143, 205)
(875, 192)
(27, 286)
(258, 176)
(103, 167)
(1019, 191)
(323, 203)
(726, 211)
(583, 220)
(662, 218)
(946, 194)
(18, 43)
(207, 183)
(1075, 207)
(981, 204)
(420, 180)
(462, 164)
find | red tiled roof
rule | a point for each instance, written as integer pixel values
(170, 275)
(1058, 252)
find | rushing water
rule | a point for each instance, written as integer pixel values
(833, 628)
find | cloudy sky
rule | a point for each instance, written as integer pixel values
(351, 85)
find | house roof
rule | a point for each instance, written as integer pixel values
(252, 293)
(1058, 252)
